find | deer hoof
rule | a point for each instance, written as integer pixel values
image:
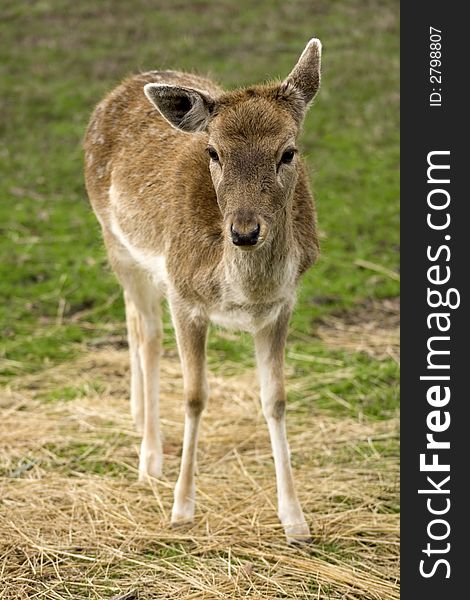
(182, 516)
(150, 464)
(178, 521)
(298, 534)
(183, 510)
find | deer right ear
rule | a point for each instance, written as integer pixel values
(184, 108)
(305, 76)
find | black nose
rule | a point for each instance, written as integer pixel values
(245, 239)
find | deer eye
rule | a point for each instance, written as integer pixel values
(213, 154)
(288, 156)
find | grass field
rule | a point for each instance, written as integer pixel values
(73, 521)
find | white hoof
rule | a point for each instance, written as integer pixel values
(295, 526)
(298, 533)
(183, 508)
(150, 464)
(179, 519)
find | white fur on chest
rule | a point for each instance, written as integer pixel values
(236, 311)
(244, 319)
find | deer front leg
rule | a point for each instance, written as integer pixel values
(191, 337)
(270, 345)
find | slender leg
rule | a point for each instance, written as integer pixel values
(144, 321)
(270, 344)
(151, 456)
(137, 383)
(191, 336)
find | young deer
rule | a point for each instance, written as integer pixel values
(202, 198)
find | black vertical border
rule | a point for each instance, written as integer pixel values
(424, 129)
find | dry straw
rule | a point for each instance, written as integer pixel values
(373, 329)
(75, 523)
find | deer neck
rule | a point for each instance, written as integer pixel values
(264, 272)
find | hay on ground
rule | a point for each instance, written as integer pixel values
(75, 523)
(373, 329)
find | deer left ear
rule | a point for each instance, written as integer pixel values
(305, 76)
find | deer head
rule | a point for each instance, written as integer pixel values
(251, 143)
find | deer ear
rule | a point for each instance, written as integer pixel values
(184, 108)
(305, 76)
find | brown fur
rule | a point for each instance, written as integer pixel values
(159, 197)
(176, 164)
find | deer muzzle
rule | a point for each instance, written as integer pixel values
(247, 229)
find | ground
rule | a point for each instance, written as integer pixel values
(74, 522)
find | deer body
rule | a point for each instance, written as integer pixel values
(202, 199)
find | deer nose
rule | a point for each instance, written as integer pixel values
(249, 238)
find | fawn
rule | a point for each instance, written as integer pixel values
(203, 199)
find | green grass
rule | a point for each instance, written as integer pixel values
(71, 392)
(58, 58)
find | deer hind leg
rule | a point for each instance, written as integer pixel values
(134, 334)
(191, 337)
(144, 321)
(270, 344)
(151, 456)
